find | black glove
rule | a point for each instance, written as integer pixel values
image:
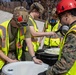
(42, 73)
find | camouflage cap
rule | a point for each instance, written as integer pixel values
(20, 11)
(19, 8)
(37, 5)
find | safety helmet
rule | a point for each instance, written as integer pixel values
(65, 5)
(37, 6)
(20, 14)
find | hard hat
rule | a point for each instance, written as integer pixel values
(65, 5)
(38, 6)
(20, 14)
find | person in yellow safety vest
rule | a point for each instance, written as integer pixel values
(52, 24)
(12, 34)
(66, 65)
(52, 41)
(35, 11)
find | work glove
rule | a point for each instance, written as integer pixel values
(42, 73)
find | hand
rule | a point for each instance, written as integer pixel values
(53, 33)
(50, 33)
(11, 60)
(38, 61)
(42, 73)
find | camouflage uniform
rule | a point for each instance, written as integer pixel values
(68, 56)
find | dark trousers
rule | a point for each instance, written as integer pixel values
(28, 56)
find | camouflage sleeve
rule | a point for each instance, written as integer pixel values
(67, 59)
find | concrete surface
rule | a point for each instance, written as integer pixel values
(7, 16)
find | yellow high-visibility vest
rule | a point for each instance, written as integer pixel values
(51, 41)
(5, 42)
(72, 70)
(36, 43)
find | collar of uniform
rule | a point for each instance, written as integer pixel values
(32, 18)
(72, 24)
(13, 23)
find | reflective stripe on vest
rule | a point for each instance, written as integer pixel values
(72, 71)
(35, 44)
(52, 41)
(19, 42)
(4, 36)
(34, 23)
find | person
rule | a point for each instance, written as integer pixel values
(12, 34)
(51, 24)
(35, 12)
(29, 2)
(66, 65)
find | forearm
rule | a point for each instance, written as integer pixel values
(60, 67)
(30, 46)
(4, 57)
(43, 33)
(31, 51)
(67, 58)
(39, 34)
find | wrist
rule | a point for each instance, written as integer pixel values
(33, 57)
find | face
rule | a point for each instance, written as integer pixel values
(54, 17)
(37, 14)
(64, 19)
(22, 19)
